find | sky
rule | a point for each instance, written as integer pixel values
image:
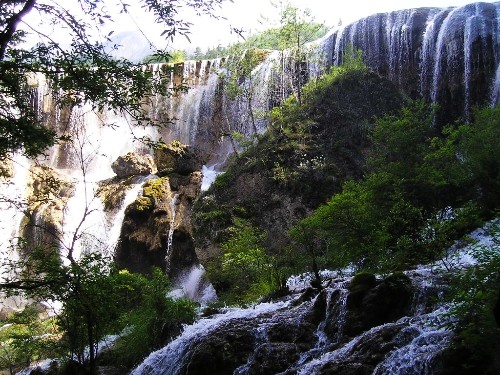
(248, 14)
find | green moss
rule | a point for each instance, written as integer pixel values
(362, 281)
(153, 192)
(155, 189)
(176, 146)
(144, 204)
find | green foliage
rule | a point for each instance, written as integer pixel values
(175, 57)
(98, 300)
(425, 189)
(244, 272)
(222, 180)
(475, 293)
(154, 320)
(269, 39)
(26, 337)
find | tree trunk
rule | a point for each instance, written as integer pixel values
(496, 310)
(92, 347)
(11, 26)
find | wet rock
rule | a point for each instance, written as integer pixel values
(144, 236)
(112, 191)
(301, 334)
(176, 157)
(223, 350)
(273, 358)
(371, 304)
(133, 164)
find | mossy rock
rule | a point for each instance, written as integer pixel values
(362, 282)
(398, 279)
(176, 157)
(155, 189)
(153, 192)
(112, 192)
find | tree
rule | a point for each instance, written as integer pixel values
(422, 192)
(238, 80)
(83, 72)
(296, 28)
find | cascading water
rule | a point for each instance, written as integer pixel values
(114, 221)
(305, 336)
(437, 53)
(171, 229)
(449, 56)
(194, 285)
(171, 359)
(12, 204)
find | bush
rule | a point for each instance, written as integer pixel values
(152, 323)
(475, 299)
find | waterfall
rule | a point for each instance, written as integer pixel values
(193, 284)
(170, 238)
(169, 360)
(418, 355)
(415, 344)
(279, 337)
(115, 221)
(12, 205)
(449, 56)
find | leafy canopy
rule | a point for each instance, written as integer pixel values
(81, 72)
(425, 188)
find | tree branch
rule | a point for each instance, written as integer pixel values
(11, 26)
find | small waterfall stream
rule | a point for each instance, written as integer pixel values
(170, 238)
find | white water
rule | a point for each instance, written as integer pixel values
(114, 223)
(173, 207)
(12, 204)
(193, 284)
(418, 339)
(168, 361)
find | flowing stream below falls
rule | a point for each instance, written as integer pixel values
(401, 324)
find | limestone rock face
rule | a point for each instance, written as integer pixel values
(176, 157)
(162, 211)
(48, 193)
(133, 164)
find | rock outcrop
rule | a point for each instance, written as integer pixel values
(157, 230)
(176, 157)
(48, 193)
(133, 164)
(318, 335)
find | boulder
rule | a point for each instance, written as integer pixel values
(371, 303)
(133, 164)
(176, 157)
(223, 350)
